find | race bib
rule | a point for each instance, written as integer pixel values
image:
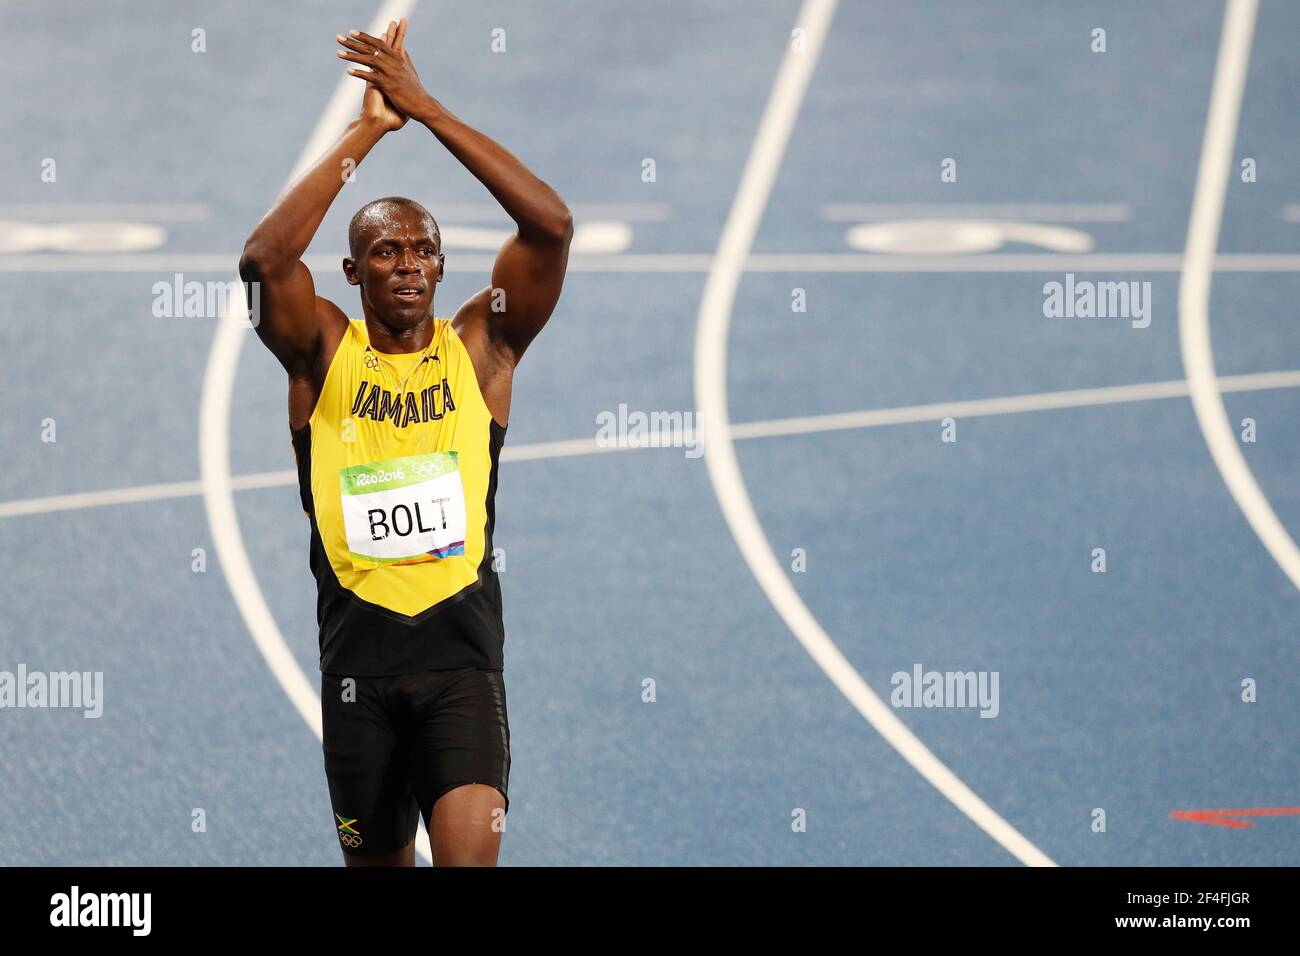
(403, 510)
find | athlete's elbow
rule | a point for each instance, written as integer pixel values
(260, 262)
(562, 227)
(250, 268)
(556, 224)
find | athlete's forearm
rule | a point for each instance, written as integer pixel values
(286, 231)
(535, 207)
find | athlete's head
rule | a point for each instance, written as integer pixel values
(396, 259)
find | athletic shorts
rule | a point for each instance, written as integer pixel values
(394, 745)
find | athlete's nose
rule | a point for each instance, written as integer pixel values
(406, 262)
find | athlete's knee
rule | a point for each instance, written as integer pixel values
(466, 825)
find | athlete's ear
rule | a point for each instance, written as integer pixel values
(442, 267)
(350, 270)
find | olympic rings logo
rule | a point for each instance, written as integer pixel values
(371, 361)
(349, 840)
(425, 469)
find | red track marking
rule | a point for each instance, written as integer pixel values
(1223, 818)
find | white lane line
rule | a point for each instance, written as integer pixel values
(197, 212)
(97, 499)
(1008, 405)
(1194, 288)
(58, 211)
(689, 262)
(264, 479)
(214, 431)
(679, 437)
(487, 212)
(1012, 262)
(728, 484)
(1047, 212)
(593, 237)
(139, 493)
(167, 263)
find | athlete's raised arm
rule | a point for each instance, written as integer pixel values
(529, 270)
(295, 324)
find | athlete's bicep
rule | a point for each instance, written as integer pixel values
(286, 311)
(526, 281)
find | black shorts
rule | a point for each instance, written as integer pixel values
(394, 745)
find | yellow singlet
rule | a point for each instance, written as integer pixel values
(397, 469)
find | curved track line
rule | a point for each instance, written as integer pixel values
(214, 432)
(1194, 286)
(724, 472)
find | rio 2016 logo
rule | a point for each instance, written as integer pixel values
(380, 476)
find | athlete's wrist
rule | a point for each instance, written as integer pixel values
(430, 112)
(371, 127)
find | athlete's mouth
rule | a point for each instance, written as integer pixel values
(408, 292)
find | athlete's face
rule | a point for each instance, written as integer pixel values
(398, 264)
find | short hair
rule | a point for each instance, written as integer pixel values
(373, 211)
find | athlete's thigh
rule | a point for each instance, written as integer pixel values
(365, 764)
(459, 734)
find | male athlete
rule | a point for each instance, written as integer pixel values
(397, 421)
